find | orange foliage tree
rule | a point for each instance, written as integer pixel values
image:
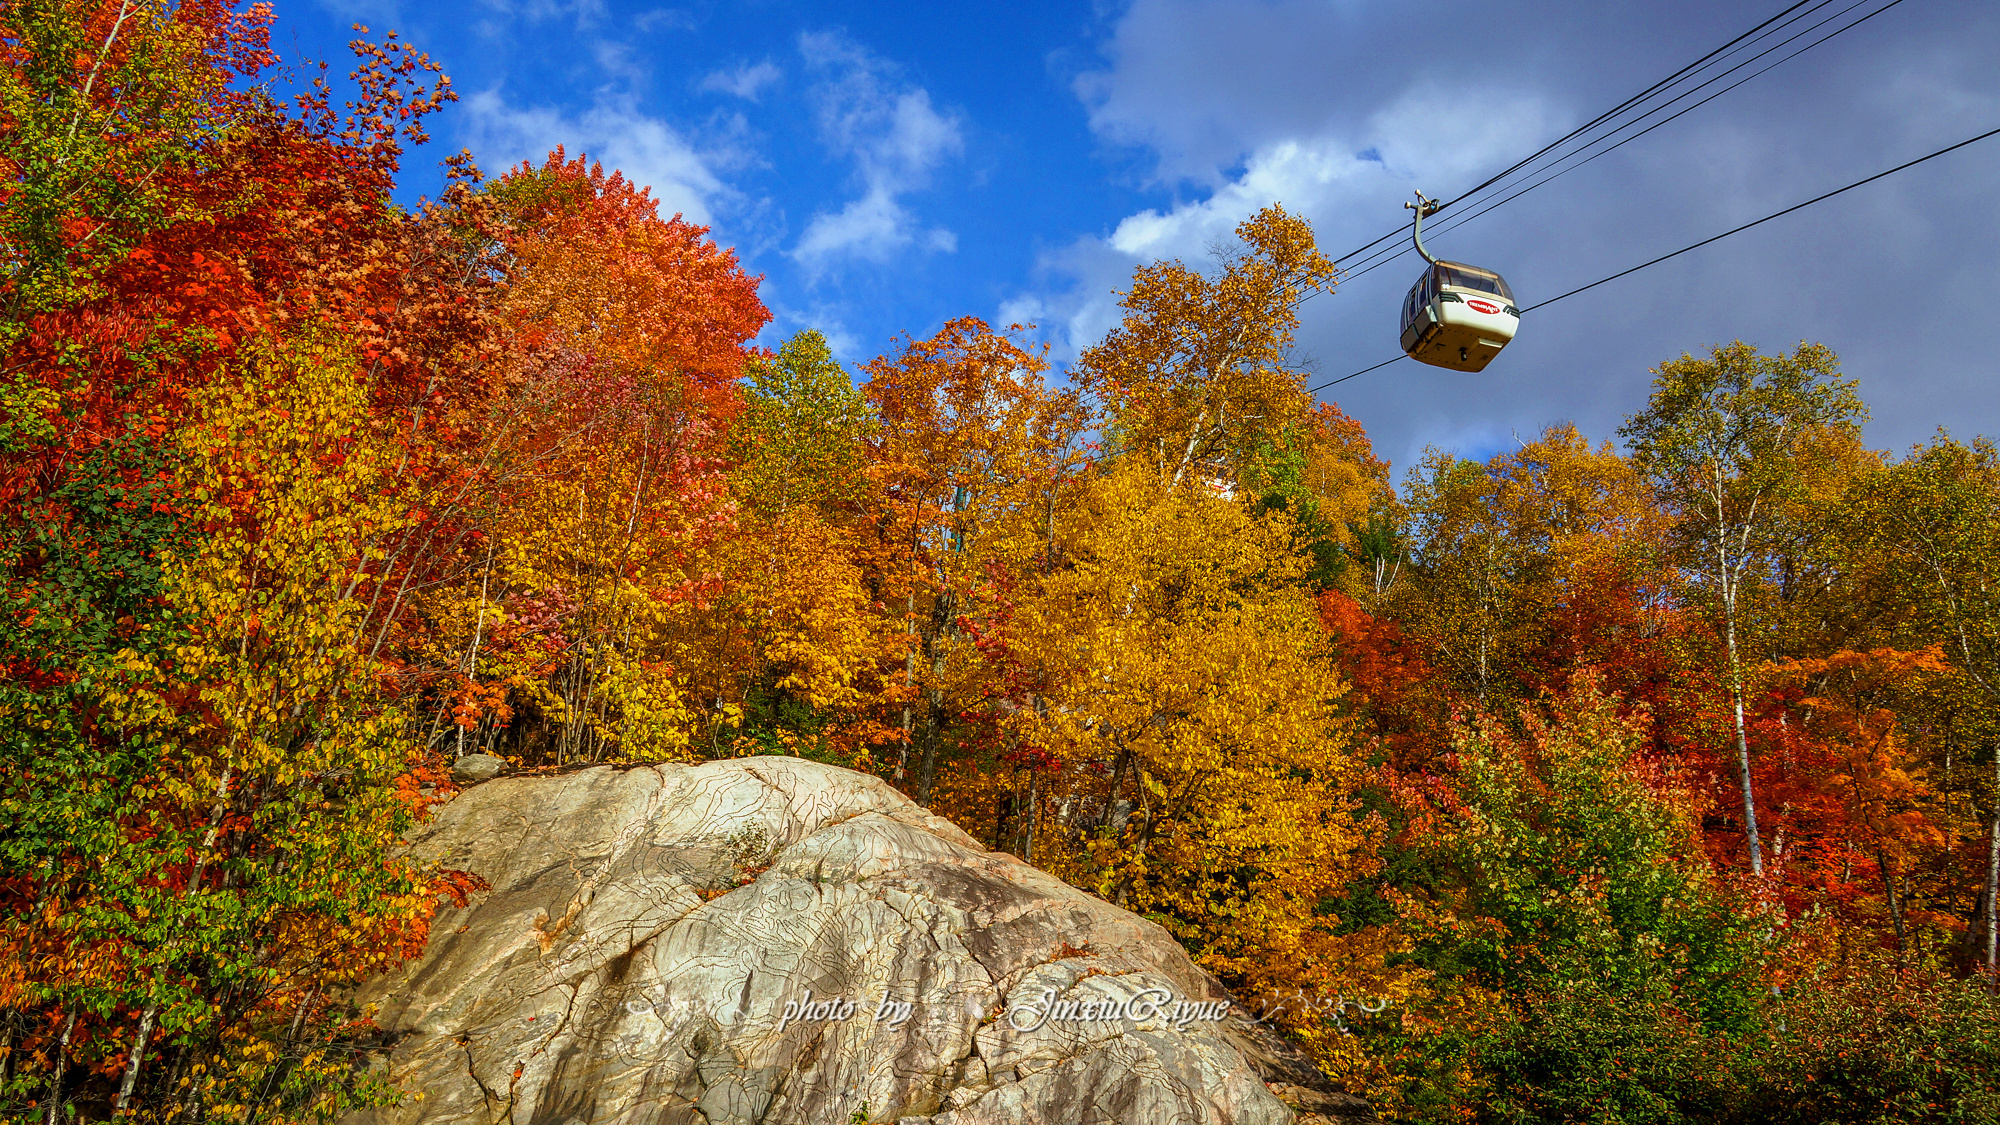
(591, 478)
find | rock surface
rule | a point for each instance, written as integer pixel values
(661, 943)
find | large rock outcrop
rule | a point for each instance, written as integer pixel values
(771, 940)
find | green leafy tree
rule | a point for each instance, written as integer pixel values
(1587, 965)
(1589, 866)
(1276, 474)
(800, 437)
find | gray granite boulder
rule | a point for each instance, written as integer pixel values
(775, 941)
(475, 768)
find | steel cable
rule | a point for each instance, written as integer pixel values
(1639, 97)
(1704, 242)
(1378, 259)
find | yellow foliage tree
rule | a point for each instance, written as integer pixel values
(1507, 556)
(779, 656)
(252, 867)
(1200, 370)
(1200, 773)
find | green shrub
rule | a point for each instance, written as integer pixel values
(1878, 1048)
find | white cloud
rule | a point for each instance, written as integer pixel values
(1025, 308)
(1350, 184)
(893, 136)
(746, 81)
(646, 149)
(830, 319)
(669, 19)
(616, 59)
(584, 12)
(1413, 142)
(869, 227)
(1234, 104)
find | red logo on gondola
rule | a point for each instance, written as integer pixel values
(1483, 306)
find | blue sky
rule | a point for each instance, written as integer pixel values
(888, 166)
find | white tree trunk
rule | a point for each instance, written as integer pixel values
(1993, 885)
(1742, 740)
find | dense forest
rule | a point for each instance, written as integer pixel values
(1640, 780)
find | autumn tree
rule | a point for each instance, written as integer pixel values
(278, 789)
(1884, 807)
(792, 640)
(1531, 566)
(202, 775)
(1937, 513)
(1717, 441)
(1200, 371)
(1471, 590)
(1187, 692)
(969, 435)
(595, 474)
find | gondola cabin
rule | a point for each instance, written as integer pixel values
(1458, 316)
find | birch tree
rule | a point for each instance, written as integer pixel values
(1938, 513)
(1201, 369)
(1717, 442)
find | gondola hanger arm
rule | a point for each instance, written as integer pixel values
(1422, 207)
